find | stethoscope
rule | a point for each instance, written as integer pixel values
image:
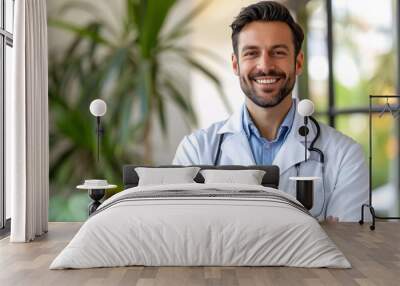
(305, 108)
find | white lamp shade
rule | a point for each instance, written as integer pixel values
(98, 107)
(305, 107)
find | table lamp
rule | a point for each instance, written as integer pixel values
(305, 185)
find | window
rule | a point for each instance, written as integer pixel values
(317, 56)
(6, 45)
(364, 62)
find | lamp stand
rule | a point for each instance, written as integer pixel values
(99, 132)
(305, 138)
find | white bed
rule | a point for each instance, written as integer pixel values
(225, 225)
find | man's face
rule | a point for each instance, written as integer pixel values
(266, 63)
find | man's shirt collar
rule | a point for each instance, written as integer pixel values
(251, 129)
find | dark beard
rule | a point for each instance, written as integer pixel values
(286, 90)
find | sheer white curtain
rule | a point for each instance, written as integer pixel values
(27, 147)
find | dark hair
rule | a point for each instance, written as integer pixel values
(267, 11)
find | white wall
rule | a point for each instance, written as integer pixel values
(211, 30)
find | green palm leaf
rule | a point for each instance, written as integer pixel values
(84, 32)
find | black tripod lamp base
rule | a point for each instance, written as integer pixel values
(96, 195)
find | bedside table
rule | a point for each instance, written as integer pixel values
(96, 191)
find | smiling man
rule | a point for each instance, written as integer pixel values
(267, 58)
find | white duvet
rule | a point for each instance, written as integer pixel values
(183, 231)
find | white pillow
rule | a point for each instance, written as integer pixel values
(248, 177)
(162, 176)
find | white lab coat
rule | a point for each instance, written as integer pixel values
(345, 176)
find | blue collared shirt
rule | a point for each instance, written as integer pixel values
(264, 151)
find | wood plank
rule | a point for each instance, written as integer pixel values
(374, 255)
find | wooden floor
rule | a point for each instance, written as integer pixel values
(374, 255)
